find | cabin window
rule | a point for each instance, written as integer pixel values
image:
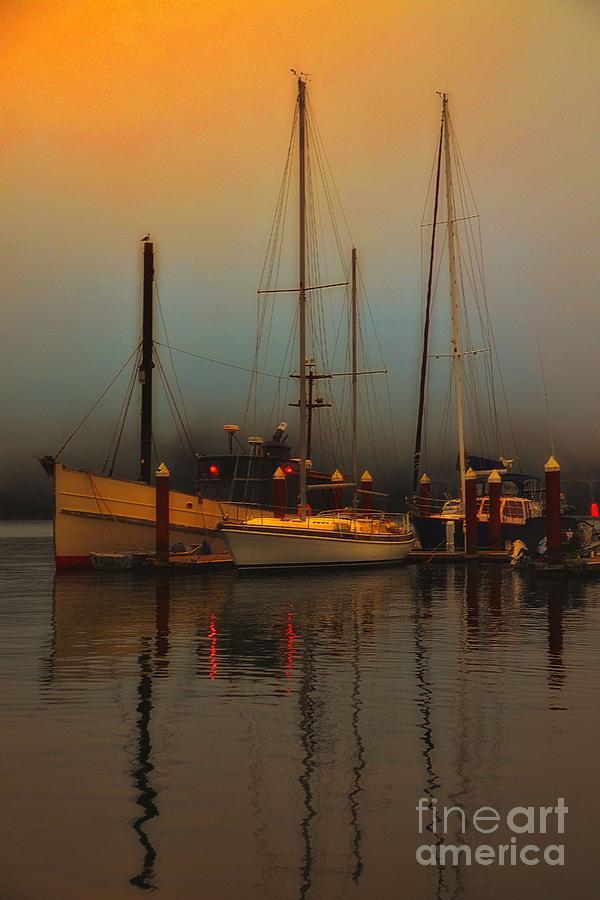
(513, 512)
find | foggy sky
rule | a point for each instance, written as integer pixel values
(122, 118)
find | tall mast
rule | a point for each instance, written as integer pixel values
(302, 290)
(426, 327)
(456, 353)
(354, 350)
(145, 373)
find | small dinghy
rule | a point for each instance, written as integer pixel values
(120, 561)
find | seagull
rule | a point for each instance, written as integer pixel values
(146, 238)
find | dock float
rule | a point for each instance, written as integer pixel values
(457, 556)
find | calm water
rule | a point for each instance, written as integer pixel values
(270, 737)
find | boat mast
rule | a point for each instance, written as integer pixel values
(456, 353)
(145, 372)
(426, 327)
(302, 290)
(354, 322)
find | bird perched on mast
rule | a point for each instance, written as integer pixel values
(145, 238)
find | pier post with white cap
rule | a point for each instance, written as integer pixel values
(470, 513)
(163, 479)
(279, 493)
(424, 504)
(366, 489)
(554, 550)
(336, 479)
(494, 491)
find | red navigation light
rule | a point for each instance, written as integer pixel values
(288, 470)
(213, 470)
(594, 509)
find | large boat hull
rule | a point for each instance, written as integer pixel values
(95, 514)
(253, 548)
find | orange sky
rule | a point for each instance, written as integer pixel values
(123, 117)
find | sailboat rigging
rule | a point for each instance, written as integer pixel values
(520, 492)
(334, 537)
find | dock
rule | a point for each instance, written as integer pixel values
(458, 556)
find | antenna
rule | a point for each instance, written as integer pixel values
(547, 402)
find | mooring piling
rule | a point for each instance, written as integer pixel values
(494, 492)
(424, 499)
(470, 513)
(278, 493)
(163, 479)
(366, 490)
(336, 479)
(554, 549)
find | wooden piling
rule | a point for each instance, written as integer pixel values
(424, 504)
(494, 491)
(470, 513)
(278, 493)
(366, 487)
(336, 478)
(554, 549)
(163, 480)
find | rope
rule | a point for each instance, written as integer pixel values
(115, 443)
(218, 362)
(100, 398)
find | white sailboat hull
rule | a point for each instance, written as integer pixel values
(251, 548)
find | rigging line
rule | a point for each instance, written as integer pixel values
(101, 397)
(476, 406)
(317, 287)
(429, 184)
(173, 416)
(271, 264)
(113, 439)
(218, 362)
(460, 219)
(330, 199)
(385, 432)
(115, 443)
(321, 146)
(167, 387)
(427, 323)
(282, 190)
(498, 366)
(475, 253)
(463, 166)
(177, 382)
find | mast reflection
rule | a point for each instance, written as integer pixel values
(360, 763)
(422, 615)
(554, 602)
(308, 741)
(142, 772)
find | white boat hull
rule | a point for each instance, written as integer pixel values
(252, 548)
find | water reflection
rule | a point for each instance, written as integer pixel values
(425, 700)
(360, 760)
(272, 736)
(142, 772)
(307, 708)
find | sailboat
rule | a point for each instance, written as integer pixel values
(346, 537)
(520, 493)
